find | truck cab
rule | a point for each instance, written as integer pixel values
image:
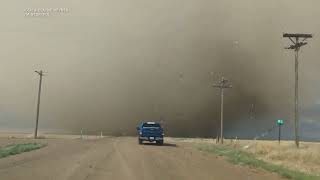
(151, 132)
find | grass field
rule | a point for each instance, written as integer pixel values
(236, 156)
(19, 148)
(284, 159)
(305, 159)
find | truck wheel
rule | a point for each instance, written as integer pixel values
(140, 141)
(160, 142)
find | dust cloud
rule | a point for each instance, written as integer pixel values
(111, 64)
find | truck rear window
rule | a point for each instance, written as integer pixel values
(151, 125)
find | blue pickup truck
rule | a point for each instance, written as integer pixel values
(150, 131)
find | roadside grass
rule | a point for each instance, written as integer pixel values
(243, 158)
(19, 148)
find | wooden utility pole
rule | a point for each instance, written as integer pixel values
(38, 104)
(222, 84)
(297, 44)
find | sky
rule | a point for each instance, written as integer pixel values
(111, 64)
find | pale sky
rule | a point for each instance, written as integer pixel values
(113, 63)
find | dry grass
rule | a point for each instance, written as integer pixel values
(306, 159)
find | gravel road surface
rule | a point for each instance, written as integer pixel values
(120, 158)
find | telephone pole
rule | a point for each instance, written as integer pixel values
(40, 73)
(222, 84)
(297, 44)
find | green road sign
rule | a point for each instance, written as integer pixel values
(280, 122)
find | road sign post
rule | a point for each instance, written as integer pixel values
(279, 123)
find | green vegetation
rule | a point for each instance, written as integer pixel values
(243, 158)
(19, 148)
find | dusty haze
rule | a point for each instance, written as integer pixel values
(113, 63)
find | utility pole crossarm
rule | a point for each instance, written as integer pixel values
(222, 86)
(297, 35)
(295, 39)
(223, 83)
(41, 73)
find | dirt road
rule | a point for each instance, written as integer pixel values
(121, 158)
